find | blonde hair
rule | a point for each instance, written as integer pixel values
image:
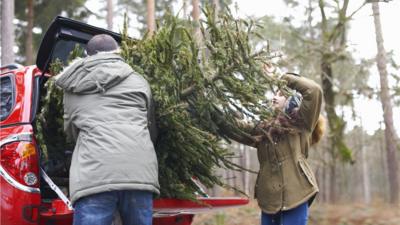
(319, 130)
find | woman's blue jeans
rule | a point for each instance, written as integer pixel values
(296, 216)
(135, 208)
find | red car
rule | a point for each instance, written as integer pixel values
(23, 181)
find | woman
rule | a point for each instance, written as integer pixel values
(286, 185)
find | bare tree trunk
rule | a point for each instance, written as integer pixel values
(384, 190)
(216, 189)
(196, 20)
(336, 124)
(332, 182)
(321, 181)
(228, 177)
(310, 19)
(185, 6)
(110, 14)
(7, 32)
(326, 179)
(236, 160)
(217, 7)
(365, 169)
(242, 161)
(29, 33)
(221, 173)
(365, 175)
(390, 133)
(246, 161)
(151, 18)
(332, 38)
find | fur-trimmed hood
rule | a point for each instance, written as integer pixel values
(93, 74)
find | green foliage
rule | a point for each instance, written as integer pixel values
(346, 154)
(49, 123)
(49, 120)
(44, 12)
(197, 99)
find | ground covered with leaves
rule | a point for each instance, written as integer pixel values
(320, 214)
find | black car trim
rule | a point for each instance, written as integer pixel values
(15, 124)
(35, 97)
(66, 29)
(12, 79)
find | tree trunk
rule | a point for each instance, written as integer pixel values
(365, 175)
(384, 190)
(365, 169)
(29, 33)
(332, 38)
(390, 134)
(7, 32)
(185, 6)
(217, 7)
(332, 182)
(215, 190)
(324, 185)
(196, 20)
(110, 14)
(245, 163)
(336, 124)
(236, 160)
(151, 19)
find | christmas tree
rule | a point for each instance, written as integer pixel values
(200, 92)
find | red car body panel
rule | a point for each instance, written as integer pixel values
(19, 203)
(19, 206)
(23, 79)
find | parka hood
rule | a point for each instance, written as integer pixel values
(94, 74)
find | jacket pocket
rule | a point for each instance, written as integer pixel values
(306, 170)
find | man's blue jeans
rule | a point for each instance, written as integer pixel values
(296, 216)
(135, 208)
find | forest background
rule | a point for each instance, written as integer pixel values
(332, 42)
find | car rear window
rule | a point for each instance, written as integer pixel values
(63, 49)
(6, 96)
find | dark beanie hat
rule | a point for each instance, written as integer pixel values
(101, 43)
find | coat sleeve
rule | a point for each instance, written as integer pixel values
(69, 128)
(152, 121)
(246, 134)
(310, 107)
(151, 117)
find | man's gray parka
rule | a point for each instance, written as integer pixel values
(108, 112)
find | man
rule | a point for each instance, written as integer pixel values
(108, 112)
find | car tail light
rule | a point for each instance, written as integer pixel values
(21, 161)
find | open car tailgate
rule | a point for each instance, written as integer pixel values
(61, 38)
